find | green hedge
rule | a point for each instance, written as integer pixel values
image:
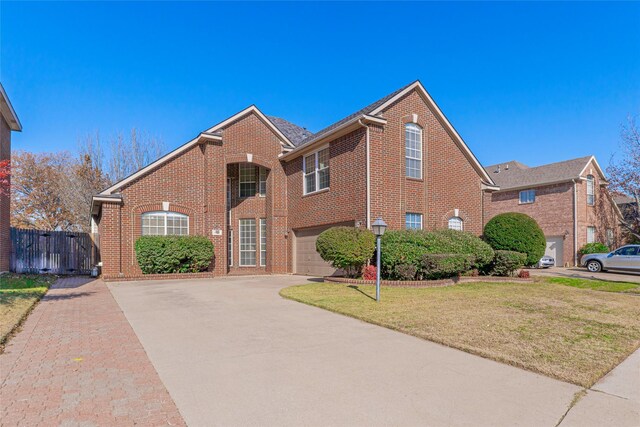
(347, 248)
(407, 247)
(439, 266)
(173, 254)
(506, 263)
(594, 248)
(516, 232)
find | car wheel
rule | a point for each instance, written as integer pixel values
(594, 266)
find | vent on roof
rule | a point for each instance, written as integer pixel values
(506, 167)
(497, 170)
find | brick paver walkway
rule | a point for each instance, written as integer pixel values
(77, 361)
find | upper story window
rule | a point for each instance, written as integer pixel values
(413, 150)
(247, 180)
(591, 234)
(262, 181)
(413, 221)
(455, 223)
(316, 171)
(591, 196)
(527, 196)
(164, 224)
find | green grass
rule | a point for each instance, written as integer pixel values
(576, 335)
(596, 285)
(18, 295)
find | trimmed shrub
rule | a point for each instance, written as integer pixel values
(440, 266)
(347, 248)
(524, 274)
(594, 248)
(370, 272)
(173, 254)
(506, 263)
(516, 232)
(405, 271)
(409, 246)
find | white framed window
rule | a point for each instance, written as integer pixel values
(527, 196)
(247, 230)
(591, 234)
(263, 242)
(165, 224)
(413, 221)
(610, 238)
(229, 230)
(247, 181)
(413, 150)
(316, 171)
(591, 196)
(456, 223)
(262, 181)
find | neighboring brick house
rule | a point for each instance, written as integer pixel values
(569, 200)
(262, 188)
(8, 122)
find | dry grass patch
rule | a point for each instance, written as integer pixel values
(18, 294)
(575, 335)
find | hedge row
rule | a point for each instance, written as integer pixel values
(173, 254)
(347, 248)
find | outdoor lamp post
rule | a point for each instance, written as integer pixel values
(378, 227)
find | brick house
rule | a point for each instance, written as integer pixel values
(568, 199)
(8, 122)
(262, 188)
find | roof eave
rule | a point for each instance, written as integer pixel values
(99, 199)
(8, 112)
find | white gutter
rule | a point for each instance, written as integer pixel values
(575, 223)
(368, 149)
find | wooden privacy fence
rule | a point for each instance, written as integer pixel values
(54, 252)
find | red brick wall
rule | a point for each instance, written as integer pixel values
(449, 180)
(5, 211)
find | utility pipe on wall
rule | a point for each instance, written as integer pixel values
(575, 222)
(368, 172)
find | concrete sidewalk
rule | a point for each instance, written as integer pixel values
(232, 352)
(77, 361)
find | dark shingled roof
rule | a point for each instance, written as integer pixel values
(514, 174)
(294, 133)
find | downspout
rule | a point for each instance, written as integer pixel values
(575, 222)
(368, 171)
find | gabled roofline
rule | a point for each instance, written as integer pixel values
(598, 168)
(210, 135)
(447, 124)
(160, 161)
(8, 112)
(333, 134)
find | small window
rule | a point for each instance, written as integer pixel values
(591, 234)
(413, 150)
(413, 221)
(316, 171)
(247, 180)
(610, 237)
(263, 242)
(591, 196)
(455, 223)
(262, 190)
(527, 196)
(164, 224)
(247, 231)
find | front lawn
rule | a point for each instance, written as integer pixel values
(575, 335)
(596, 285)
(18, 294)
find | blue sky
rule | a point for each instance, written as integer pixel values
(537, 82)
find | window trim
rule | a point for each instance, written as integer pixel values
(530, 191)
(263, 241)
(420, 150)
(164, 214)
(240, 250)
(453, 218)
(240, 182)
(262, 169)
(591, 227)
(591, 195)
(316, 171)
(406, 218)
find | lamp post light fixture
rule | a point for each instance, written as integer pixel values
(378, 227)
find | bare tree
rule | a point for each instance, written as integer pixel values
(624, 174)
(129, 155)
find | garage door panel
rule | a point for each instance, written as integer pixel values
(308, 261)
(555, 246)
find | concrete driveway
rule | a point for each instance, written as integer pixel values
(231, 351)
(616, 276)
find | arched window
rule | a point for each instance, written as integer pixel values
(165, 224)
(413, 150)
(455, 223)
(591, 196)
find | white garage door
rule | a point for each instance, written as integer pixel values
(308, 260)
(555, 245)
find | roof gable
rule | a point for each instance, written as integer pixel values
(7, 111)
